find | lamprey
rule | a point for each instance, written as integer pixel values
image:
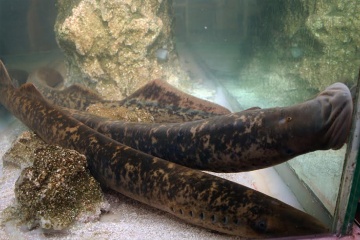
(194, 196)
(244, 141)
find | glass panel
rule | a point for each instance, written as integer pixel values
(272, 54)
(27, 34)
(348, 199)
(240, 54)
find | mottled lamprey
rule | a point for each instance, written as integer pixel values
(164, 102)
(194, 196)
(215, 139)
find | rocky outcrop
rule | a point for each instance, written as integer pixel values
(336, 27)
(321, 39)
(55, 188)
(117, 46)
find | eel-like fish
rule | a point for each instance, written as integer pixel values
(194, 196)
(243, 141)
(164, 102)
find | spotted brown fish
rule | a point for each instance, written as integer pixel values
(220, 141)
(194, 196)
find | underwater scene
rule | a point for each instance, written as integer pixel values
(178, 119)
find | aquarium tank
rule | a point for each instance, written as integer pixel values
(248, 57)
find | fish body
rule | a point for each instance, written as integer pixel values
(194, 196)
(243, 141)
(164, 102)
(206, 136)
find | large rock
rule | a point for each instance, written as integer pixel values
(336, 26)
(54, 189)
(112, 45)
(321, 40)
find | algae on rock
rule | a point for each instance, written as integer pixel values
(56, 190)
(325, 34)
(336, 26)
(111, 45)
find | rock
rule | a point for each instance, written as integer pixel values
(328, 35)
(336, 26)
(21, 152)
(111, 45)
(56, 190)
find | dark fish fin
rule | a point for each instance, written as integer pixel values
(252, 108)
(5, 79)
(30, 90)
(164, 94)
(82, 91)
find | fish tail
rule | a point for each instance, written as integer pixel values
(5, 80)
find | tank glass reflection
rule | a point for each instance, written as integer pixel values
(254, 54)
(273, 54)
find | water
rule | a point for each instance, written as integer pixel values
(239, 53)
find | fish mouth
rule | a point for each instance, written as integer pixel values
(337, 109)
(290, 223)
(319, 124)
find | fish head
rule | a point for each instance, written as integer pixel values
(274, 219)
(319, 124)
(286, 222)
(337, 109)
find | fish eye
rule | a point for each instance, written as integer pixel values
(261, 225)
(288, 151)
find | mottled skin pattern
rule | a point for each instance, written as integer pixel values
(243, 141)
(75, 96)
(194, 196)
(164, 102)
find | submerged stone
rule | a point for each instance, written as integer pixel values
(56, 190)
(21, 153)
(112, 45)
